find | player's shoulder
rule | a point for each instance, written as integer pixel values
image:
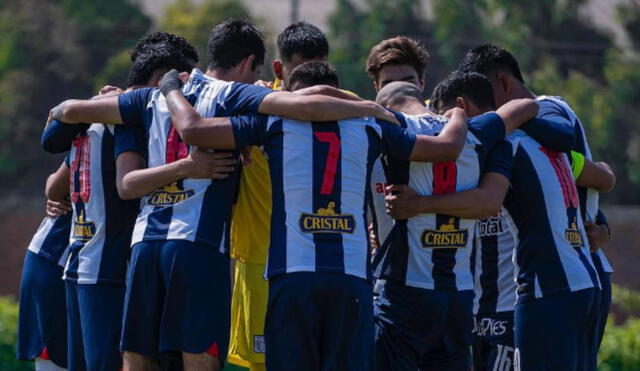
(425, 123)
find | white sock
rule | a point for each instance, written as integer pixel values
(47, 365)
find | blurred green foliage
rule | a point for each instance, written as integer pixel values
(8, 334)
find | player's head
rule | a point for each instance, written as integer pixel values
(299, 43)
(499, 66)
(313, 73)
(397, 59)
(157, 53)
(237, 48)
(470, 91)
(397, 95)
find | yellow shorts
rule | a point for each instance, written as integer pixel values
(248, 309)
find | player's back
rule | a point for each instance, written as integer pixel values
(553, 252)
(320, 174)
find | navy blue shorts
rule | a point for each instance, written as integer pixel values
(493, 347)
(178, 299)
(553, 332)
(319, 321)
(42, 322)
(423, 329)
(94, 318)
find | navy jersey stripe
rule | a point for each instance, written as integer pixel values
(527, 176)
(278, 252)
(489, 276)
(57, 240)
(327, 192)
(373, 153)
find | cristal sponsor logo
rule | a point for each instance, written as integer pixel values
(169, 195)
(446, 237)
(258, 344)
(326, 220)
(83, 230)
(574, 235)
(491, 227)
(490, 327)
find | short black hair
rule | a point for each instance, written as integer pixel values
(314, 73)
(469, 85)
(304, 39)
(160, 50)
(490, 59)
(232, 41)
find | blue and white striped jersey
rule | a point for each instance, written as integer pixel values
(52, 239)
(494, 273)
(432, 251)
(552, 253)
(320, 176)
(102, 222)
(196, 210)
(557, 109)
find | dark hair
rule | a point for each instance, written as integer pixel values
(232, 41)
(304, 39)
(469, 85)
(489, 59)
(160, 50)
(395, 51)
(314, 73)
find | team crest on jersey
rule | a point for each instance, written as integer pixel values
(169, 195)
(446, 237)
(573, 234)
(491, 227)
(83, 230)
(326, 220)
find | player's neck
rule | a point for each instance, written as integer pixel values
(415, 108)
(520, 91)
(221, 74)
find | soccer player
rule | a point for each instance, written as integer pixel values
(504, 73)
(102, 221)
(554, 272)
(424, 312)
(42, 321)
(186, 221)
(299, 43)
(319, 290)
(397, 59)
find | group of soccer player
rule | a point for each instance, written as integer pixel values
(206, 217)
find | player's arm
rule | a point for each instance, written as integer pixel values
(594, 175)
(57, 186)
(516, 112)
(553, 135)
(328, 91)
(134, 180)
(478, 203)
(447, 145)
(58, 136)
(76, 111)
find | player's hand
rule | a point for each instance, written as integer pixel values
(170, 81)
(384, 114)
(56, 209)
(201, 164)
(454, 110)
(598, 235)
(373, 240)
(264, 84)
(245, 155)
(402, 202)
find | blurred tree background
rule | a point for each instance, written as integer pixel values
(51, 50)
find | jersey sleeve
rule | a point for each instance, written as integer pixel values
(397, 141)
(58, 136)
(500, 159)
(552, 111)
(551, 133)
(244, 98)
(133, 106)
(129, 139)
(249, 130)
(488, 128)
